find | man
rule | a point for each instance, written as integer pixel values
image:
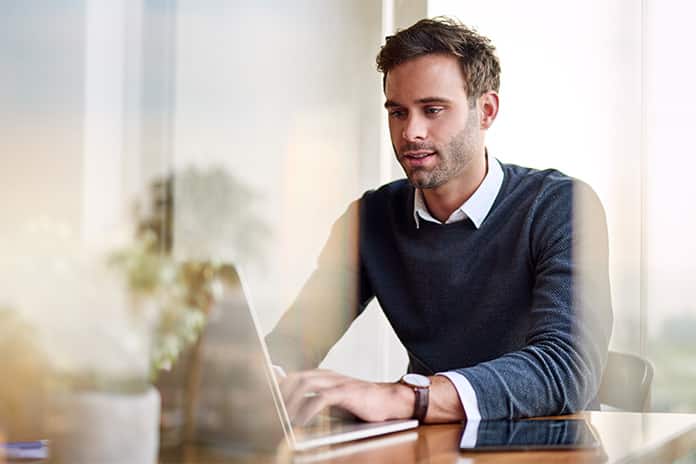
(481, 267)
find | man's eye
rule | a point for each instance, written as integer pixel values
(433, 109)
(397, 113)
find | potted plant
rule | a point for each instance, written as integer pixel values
(214, 217)
(117, 339)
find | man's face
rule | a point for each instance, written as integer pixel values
(434, 130)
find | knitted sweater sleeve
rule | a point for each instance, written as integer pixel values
(559, 369)
(333, 296)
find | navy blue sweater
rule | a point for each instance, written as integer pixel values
(521, 306)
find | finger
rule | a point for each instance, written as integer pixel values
(308, 409)
(309, 388)
(312, 406)
(287, 385)
(278, 372)
(290, 382)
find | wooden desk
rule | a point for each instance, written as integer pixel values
(626, 438)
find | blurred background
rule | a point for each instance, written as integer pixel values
(150, 133)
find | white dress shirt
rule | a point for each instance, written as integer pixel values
(475, 208)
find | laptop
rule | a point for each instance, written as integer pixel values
(239, 402)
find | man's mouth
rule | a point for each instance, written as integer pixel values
(418, 158)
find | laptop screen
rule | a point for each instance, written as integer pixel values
(235, 405)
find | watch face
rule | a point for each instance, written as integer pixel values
(416, 380)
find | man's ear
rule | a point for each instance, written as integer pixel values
(488, 104)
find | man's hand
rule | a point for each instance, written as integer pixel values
(309, 392)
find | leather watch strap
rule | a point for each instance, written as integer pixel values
(420, 408)
(420, 385)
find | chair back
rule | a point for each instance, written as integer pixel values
(626, 382)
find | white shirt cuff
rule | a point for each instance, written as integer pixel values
(470, 434)
(466, 393)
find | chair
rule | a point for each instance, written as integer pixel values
(626, 382)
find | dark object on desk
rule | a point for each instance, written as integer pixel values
(626, 382)
(525, 435)
(24, 450)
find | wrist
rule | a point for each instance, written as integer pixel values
(403, 400)
(420, 385)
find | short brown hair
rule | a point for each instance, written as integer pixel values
(477, 59)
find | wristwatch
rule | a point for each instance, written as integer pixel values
(421, 387)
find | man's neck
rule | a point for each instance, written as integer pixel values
(444, 200)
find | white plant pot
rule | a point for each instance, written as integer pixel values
(106, 428)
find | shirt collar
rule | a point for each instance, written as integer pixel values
(475, 208)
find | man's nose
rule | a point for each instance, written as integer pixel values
(414, 129)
